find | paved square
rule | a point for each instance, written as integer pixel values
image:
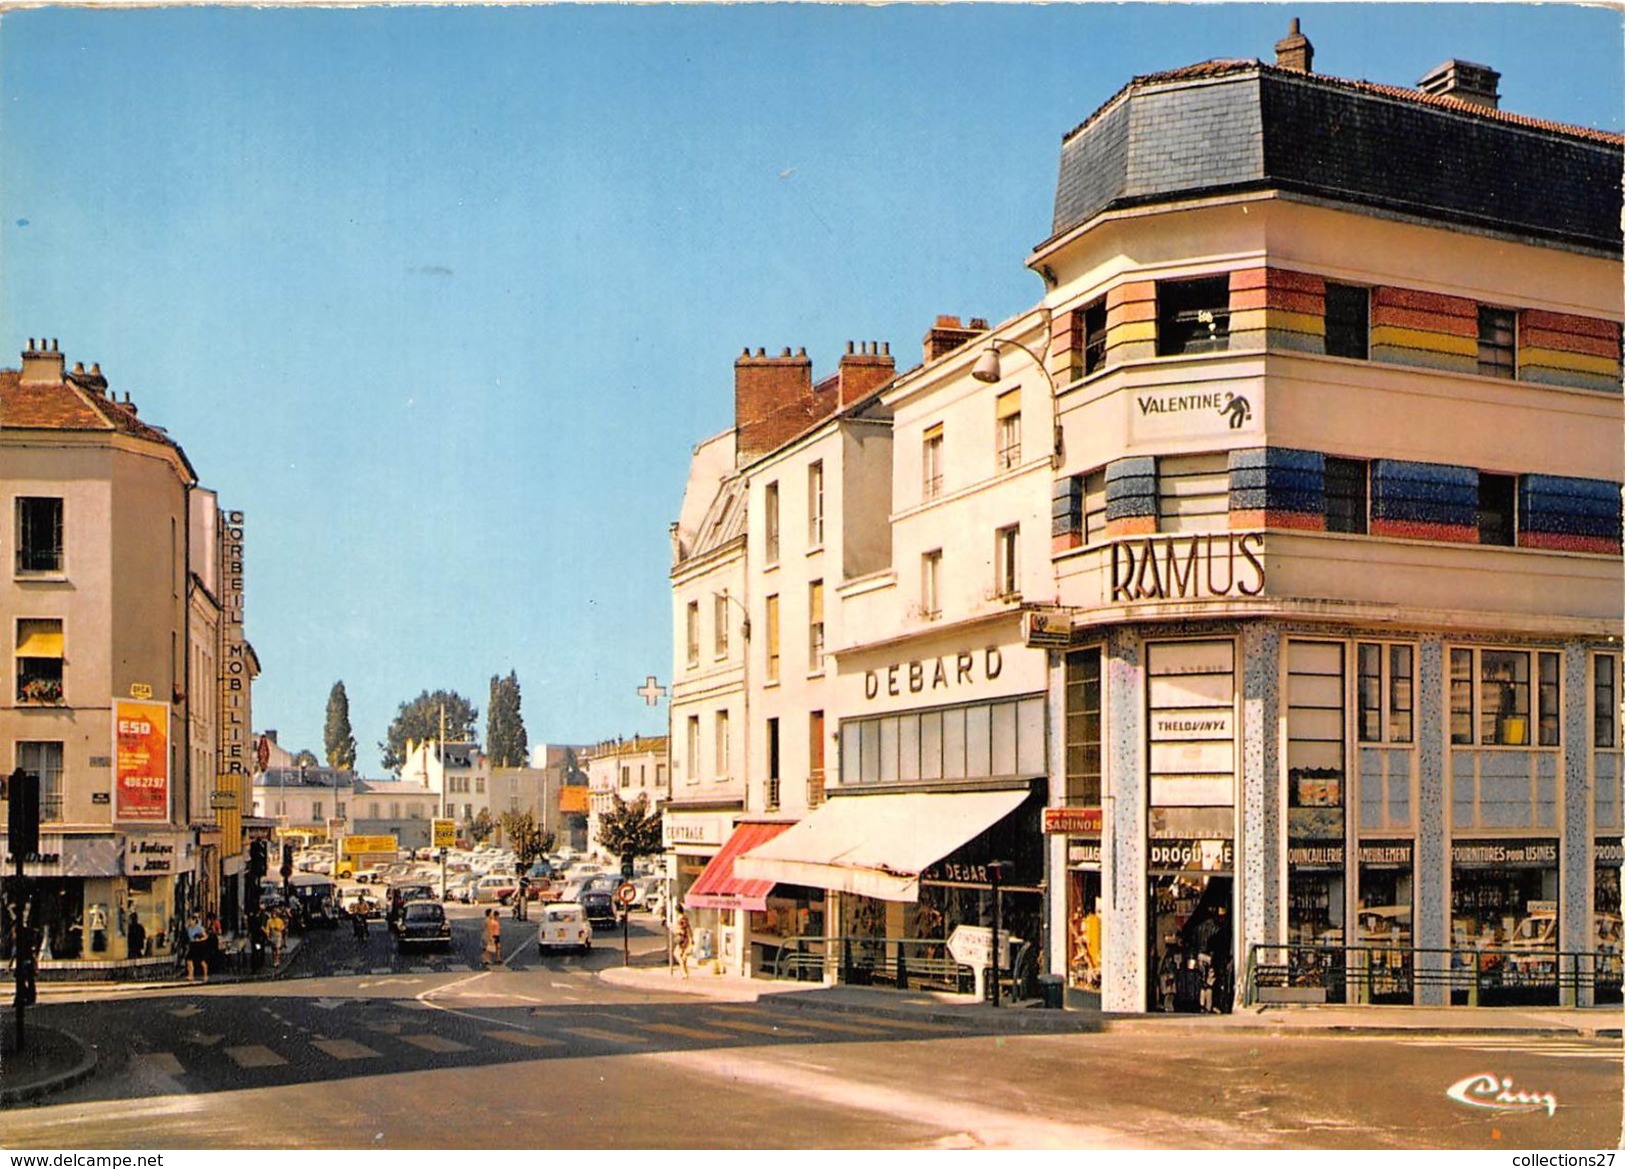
(345, 1049)
(254, 1056)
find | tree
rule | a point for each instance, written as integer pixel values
(340, 740)
(631, 830)
(419, 720)
(482, 826)
(505, 740)
(528, 839)
(306, 759)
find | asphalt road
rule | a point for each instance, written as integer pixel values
(361, 1047)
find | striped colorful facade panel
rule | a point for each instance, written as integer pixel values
(1569, 515)
(1424, 328)
(1131, 497)
(1277, 487)
(1276, 308)
(1560, 349)
(1066, 514)
(1131, 322)
(1424, 501)
(1065, 350)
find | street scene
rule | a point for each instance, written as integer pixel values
(725, 577)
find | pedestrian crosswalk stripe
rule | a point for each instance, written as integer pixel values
(830, 1025)
(605, 1036)
(345, 1049)
(435, 1043)
(525, 1039)
(762, 1029)
(1551, 1048)
(163, 1063)
(905, 1024)
(684, 1032)
(254, 1056)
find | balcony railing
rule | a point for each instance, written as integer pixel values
(771, 800)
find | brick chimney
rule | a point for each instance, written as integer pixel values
(773, 401)
(42, 364)
(948, 334)
(92, 381)
(1294, 51)
(865, 367)
(1477, 85)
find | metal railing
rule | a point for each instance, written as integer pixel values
(1490, 976)
(903, 963)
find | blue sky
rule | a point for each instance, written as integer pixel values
(441, 298)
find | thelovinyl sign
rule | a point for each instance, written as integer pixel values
(141, 761)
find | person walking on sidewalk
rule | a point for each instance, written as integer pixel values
(683, 941)
(276, 929)
(493, 938)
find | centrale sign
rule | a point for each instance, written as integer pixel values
(1175, 568)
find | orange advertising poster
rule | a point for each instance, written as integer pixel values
(141, 749)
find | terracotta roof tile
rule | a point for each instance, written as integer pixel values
(66, 406)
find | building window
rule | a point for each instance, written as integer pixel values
(626, 777)
(1007, 416)
(931, 463)
(372, 809)
(773, 638)
(479, 785)
(930, 583)
(693, 619)
(1605, 700)
(1504, 702)
(45, 761)
(815, 505)
(815, 627)
(719, 624)
(39, 534)
(340, 810)
(815, 758)
(316, 809)
(693, 748)
(1193, 316)
(1386, 698)
(1002, 739)
(1094, 336)
(1346, 495)
(1497, 509)
(771, 795)
(1006, 563)
(770, 506)
(1193, 493)
(39, 660)
(722, 744)
(1348, 321)
(1497, 342)
(1094, 506)
(394, 810)
(1083, 728)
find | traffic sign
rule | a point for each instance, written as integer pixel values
(445, 833)
(626, 893)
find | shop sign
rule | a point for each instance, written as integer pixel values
(1504, 852)
(356, 845)
(941, 673)
(149, 856)
(1315, 855)
(1083, 854)
(1396, 853)
(1046, 628)
(1183, 568)
(141, 746)
(223, 800)
(140, 691)
(1185, 412)
(1610, 852)
(1073, 821)
(1194, 856)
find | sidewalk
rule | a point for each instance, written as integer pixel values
(965, 1010)
(171, 980)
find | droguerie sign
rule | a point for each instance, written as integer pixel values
(1176, 568)
(141, 769)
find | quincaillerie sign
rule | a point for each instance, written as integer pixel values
(1182, 568)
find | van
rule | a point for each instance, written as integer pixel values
(563, 925)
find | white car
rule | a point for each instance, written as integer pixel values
(563, 925)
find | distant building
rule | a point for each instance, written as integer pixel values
(629, 768)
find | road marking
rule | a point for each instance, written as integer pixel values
(525, 1039)
(904, 1024)
(187, 1011)
(763, 1029)
(200, 1039)
(849, 1028)
(163, 1063)
(254, 1056)
(345, 1049)
(684, 1032)
(605, 1036)
(435, 1043)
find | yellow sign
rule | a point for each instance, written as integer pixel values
(445, 833)
(354, 845)
(140, 690)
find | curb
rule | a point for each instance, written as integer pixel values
(22, 1093)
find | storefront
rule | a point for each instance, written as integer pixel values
(692, 839)
(1504, 897)
(1609, 853)
(1385, 901)
(1081, 827)
(748, 941)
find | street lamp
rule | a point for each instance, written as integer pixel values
(987, 369)
(995, 874)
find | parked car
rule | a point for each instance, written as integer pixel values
(493, 888)
(563, 925)
(423, 923)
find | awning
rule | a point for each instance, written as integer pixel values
(720, 887)
(39, 639)
(877, 846)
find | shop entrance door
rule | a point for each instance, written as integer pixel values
(1191, 943)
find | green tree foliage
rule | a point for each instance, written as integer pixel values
(505, 740)
(482, 826)
(528, 839)
(419, 720)
(337, 735)
(630, 830)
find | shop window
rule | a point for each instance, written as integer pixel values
(1500, 699)
(1548, 700)
(987, 740)
(770, 526)
(719, 625)
(39, 660)
(931, 463)
(1605, 918)
(1346, 495)
(1497, 509)
(1497, 342)
(1503, 920)
(1007, 563)
(1605, 700)
(1193, 493)
(44, 759)
(1193, 316)
(815, 504)
(1386, 693)
(773, 638)
(1384, 901)
(1348, 321)
(1083, 728)
(815, 627)
(1007, 430)
(39, 534)
(930, 585)
(692, 620)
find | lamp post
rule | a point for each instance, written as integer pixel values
(995, 874)
(987, 369)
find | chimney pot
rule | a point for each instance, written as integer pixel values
(79, 367)
(96, 369)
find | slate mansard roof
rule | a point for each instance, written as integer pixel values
(1230, 126)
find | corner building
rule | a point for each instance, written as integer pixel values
(1335, 538)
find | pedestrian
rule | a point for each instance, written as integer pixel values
(276, 931)
(521, 897)
(256, 940)
(197, 952)
(493, 937)
(683, 942)
(136, 934)
(98, 928)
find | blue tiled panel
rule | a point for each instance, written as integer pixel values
(1277, 479)
(1131, 488)
(1546, 790)
(1066, 506)
(1565, 506)
(1424, 493)
(1463, 790)
(1399, 788)
(1371, 789)
(1503, 790)
(1608, 790)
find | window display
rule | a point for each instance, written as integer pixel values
(1504, 938)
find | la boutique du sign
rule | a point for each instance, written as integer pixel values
(1182, 568)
